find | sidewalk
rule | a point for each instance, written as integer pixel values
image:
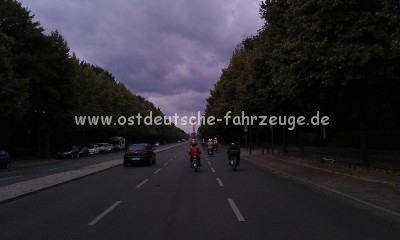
(372, 187)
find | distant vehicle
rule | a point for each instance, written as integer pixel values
(83, 152)
(69, 152)
(5, 159)
(108, 148)
(156, 144)
(118, 142)
(139, 153)
(93, 149)
(101, 147)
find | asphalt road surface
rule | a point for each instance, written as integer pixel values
(170, 201)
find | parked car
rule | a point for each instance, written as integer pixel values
(101, 147)
(93, 149)
(69, 152)
(83, 152)
(108, 148)
(5, 159)
(139, 153)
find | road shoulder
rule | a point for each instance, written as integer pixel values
(377, 190)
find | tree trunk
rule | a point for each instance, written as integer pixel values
(363, 137)
(284, 146)
(301, 140)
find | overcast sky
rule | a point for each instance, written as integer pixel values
(170, 52)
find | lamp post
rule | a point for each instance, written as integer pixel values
(245, 132)
(272, 139)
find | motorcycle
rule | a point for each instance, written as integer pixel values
(210, 152)
(195, 163)
(215, 149)
(233, 162)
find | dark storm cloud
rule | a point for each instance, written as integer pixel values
(165, 51)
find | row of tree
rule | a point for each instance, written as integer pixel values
(43, 88)
(341, 58)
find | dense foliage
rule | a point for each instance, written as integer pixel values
(43, 88)
(341, 58)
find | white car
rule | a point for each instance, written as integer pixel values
(102, 146)
(108, 148)
(93, 149)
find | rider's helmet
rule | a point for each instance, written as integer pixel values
(193, 143)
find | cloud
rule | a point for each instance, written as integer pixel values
(170, 52)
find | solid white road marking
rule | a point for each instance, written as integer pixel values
(143, 182)
(220, 182)
(236, 210)
(98, 218)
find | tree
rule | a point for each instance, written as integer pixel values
(13, 91)
(43, 88)
(336, 55)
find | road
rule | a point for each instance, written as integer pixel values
(170, 201)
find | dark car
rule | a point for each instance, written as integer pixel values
(69, 152)
(5, 159)
(83, 152)
(139, 153)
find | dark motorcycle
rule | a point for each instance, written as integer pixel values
(233, 161)
(215, 149)
(210, 152)
(195, 163)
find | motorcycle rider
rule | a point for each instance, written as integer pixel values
(193, 151)
(210, 146)
(215, 143)
(233, 150)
